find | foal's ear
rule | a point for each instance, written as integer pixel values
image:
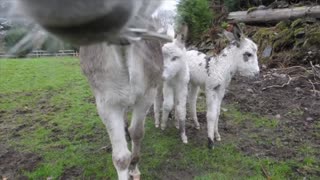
(228, 35)
(237, 32)
(235, 35)
(179, 44)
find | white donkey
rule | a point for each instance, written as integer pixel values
(215, 73)
(175, 87)
(119, 75)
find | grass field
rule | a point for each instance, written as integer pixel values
(48, 110)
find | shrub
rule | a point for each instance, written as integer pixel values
(52, 44)
(197, 15)
(13, 36)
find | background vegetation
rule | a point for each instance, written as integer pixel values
(200, 15)
(197, 15)
(18, 32)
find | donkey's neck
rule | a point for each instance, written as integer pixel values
(223, 67)
(182, 75)
(225, 62)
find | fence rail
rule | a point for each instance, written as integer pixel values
(42, 53)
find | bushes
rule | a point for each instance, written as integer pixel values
(13, 36)
(197, 15)
(52, 44)
(232, 5)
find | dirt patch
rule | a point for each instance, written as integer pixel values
(288, 96)
(71, 173)
(12, 163)
(177, 174)
(293, 105)
(46, 107)
(173, 169)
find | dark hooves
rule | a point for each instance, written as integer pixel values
(210, 143)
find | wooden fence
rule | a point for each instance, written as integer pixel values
(42, 53)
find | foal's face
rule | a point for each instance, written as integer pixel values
(173, 56)
(247, 64)
(82, 21)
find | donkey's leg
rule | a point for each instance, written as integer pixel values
(126, 123)
(167, 104)
(112, 117)
(192, 98)
(216, 132)
(176, 116)
(157, 106)
(136, 130)
(212, 105)
(180, 96)
(218, 109)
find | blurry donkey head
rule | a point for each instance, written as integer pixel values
(83, 22)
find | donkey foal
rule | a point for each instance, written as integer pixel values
(214, 75)
(175, 87)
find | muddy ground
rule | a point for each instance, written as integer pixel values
(12, 163)
(286, 96)
(288, 99)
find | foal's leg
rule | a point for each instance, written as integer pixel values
(136, 130)
(212, 106)
(112, 117)
(176, 116)
(167, 104)
(218, 109)
(157, 106)
(180, 96)
(193, 94)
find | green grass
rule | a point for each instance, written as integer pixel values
(257, 120)
(49, 101)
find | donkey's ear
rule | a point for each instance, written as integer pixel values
(179, 44)
(237, 32)
(229, 35)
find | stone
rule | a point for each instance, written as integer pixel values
(309, 119)
(224, 109)
(267, 51)
(298, 89)
(250, 90)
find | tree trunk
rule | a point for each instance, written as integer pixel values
(273, 16)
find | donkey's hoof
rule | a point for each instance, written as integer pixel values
(163, 127)
(157, 125)
(197, 127)
(177, 126)
(218, 138)
(210, 144)
(184, 139)
(135, 177)
(135, 174)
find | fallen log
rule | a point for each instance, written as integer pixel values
(273, 16)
